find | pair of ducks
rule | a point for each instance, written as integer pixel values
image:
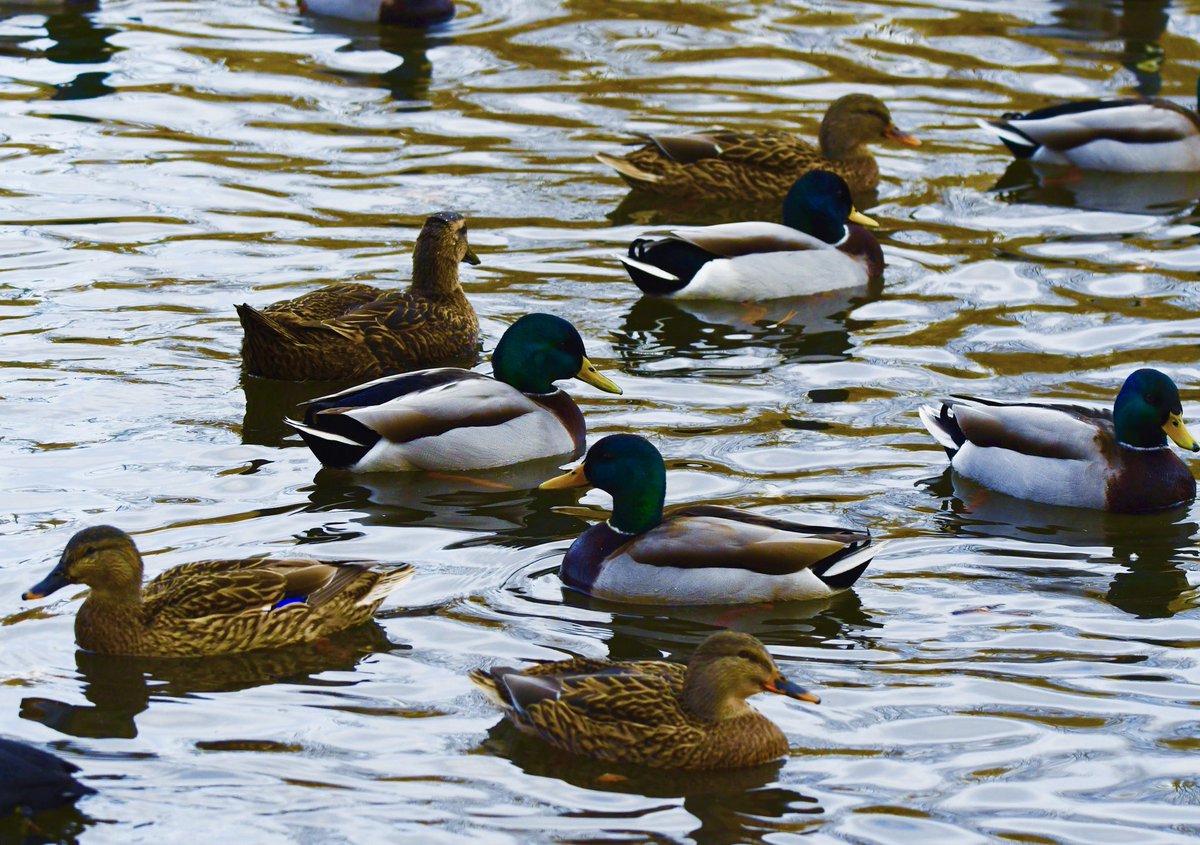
(647, 712)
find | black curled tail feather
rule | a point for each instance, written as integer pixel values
(678, 261)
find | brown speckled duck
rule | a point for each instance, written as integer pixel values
(210, 607)
(757, 166)
(651, 712)
(347, 331)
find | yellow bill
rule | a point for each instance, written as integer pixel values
(861, 219)
(1178, 432)
(588, 374)
(574, 478)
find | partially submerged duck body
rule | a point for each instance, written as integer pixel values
(210, 607)
(651, 712)
(345, 331)
(1070, 455)
(697, 554)
(757, 166)
(453, 419)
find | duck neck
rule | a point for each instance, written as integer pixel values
(435, 272)
(837, 145)
(706, 698)
(638, 505)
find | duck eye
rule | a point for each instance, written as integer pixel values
(745, 654)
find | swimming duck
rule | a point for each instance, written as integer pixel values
(210, 607)
(816, 249)
(404, 12)
(651, 712)
(35, 780)
(1131, 135)
(748, 166)
(1069, 455)
(452, 419)
(697, 554)
(346, 331)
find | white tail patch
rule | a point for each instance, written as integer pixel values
(853, 560)
(931, 417)
(1005, 133)
(648, 269)
(322, 435)
(622, 166)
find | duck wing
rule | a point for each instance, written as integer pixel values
(614, 694)
(1043, 430)
(707, 536)
(729, 240)
(766, 149)
(1071, 125)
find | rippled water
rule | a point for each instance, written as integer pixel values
(1005, 672)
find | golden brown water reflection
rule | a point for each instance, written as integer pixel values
(1006, 672)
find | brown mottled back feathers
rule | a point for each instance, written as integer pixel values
(219, 607)
(628, 712)
(741, 166)
(309, 338)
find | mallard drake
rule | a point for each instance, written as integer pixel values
(347, 331)
(748, 166)
(403, 12)
(452, 419)
(651, 712)
(34, 780)
(1131, 135)
(1069, 455)
(697, 554)
(816, 249)
(210, 607)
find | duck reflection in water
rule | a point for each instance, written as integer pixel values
(1124, 193)
(119, 688)
(731, 806)
(1155, 549)
(500, 506)
(1138, 24)
(760, 336)
(77, 40)
(408, 80)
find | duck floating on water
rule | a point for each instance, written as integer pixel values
(820, 246)
(346, 331)
(210, 607)
(696, 554)
(1130, 135)
(452, 419)
(1070, 455)
(651, 712)
(731, 165)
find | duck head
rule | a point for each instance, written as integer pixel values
(726, 669)
(631, 470)
(856, 120)
(1148, 411)
(820, 205)
(539, 349)
(441, 246)
(102, 557)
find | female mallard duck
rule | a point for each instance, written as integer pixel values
(210, 607)
(403, 12)
(748, 166)
(349, 331)
(1132, 135)
(698, 554)
(1070, 455)
(35, 780)
(651, 712)
(816, 249)
(451, 419)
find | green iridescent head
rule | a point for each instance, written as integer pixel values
(1148, 411)
(820, 205)
(539, 349)
(631, 470)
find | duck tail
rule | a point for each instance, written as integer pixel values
(1018, 143)
(331, 448)
(631, 173)
(388, 581)
(839, 571)
(664, 266)
(942, 425)
(260, 326)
